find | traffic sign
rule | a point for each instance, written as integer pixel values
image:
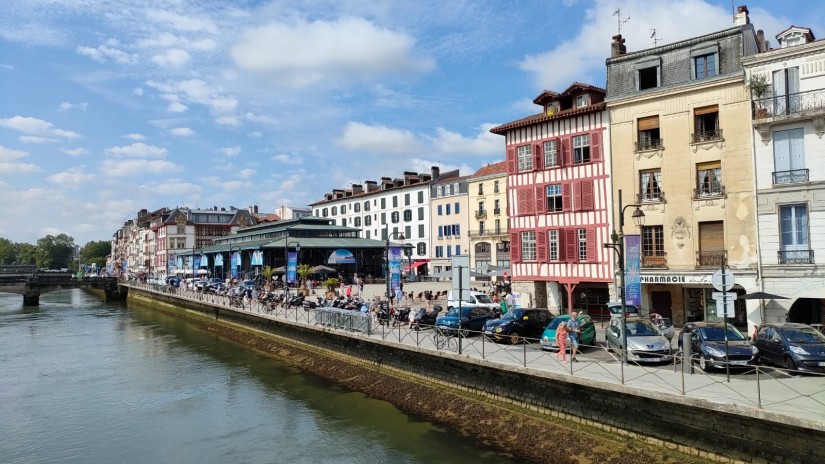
(718, 276)
(726, 310)
(729, 296)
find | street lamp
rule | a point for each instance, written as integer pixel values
(617, 245)
(400, 237)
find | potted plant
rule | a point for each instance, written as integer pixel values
(759, 86)
(304, 271)
(331, 284)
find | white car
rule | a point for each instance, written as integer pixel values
(472, 300)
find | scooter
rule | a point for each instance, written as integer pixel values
(401, 316)
(297, 300)
(426, 319)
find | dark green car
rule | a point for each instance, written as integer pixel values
(587, 336)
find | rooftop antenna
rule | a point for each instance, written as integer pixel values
(653, 36)
(619, 20)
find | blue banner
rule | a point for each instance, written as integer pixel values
(197, 263)
(180, 262)
(292, 267)
(219, 259)
(257, 258)
(171, 265)
(395, 257)
(235, 264)
(633, 270)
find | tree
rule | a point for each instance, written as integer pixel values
(55, 252)
(8, 251)
(96, 252)
(26, 253)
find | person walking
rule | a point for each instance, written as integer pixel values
(573, 330)
(510, 300)
(561, 340)
(503, 306)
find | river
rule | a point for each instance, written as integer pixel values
(82, 381)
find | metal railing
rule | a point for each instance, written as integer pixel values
(709, 191)
(710, 258)
(652, 144)
(790, 177)
(482, 213)
(796, 256)
(487, 233)
(650, 197)
(789, 105)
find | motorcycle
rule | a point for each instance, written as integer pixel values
(297, 300)
(426, 319)
(401, 316)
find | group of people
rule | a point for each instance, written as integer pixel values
(568, 331)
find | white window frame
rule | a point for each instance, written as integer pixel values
(554, 194)
(582, 248)
(581, 149)
(551, 158)
(553, 244)
(528, 245)
(525, 158)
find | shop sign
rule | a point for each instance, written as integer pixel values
(675, 279)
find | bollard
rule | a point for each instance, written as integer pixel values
(687, 353)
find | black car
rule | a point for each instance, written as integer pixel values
(793, 346)
(707, 340)
(173, 281)
(518, 323)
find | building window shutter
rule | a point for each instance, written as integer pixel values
(587, 195)
(577, 195)
(591, 245)
(595, 146)
(566, 197)
(526, 202)
(541, 197)
(515, 246)
(538, 159)
(571, 244)
(541, 246)
(562, 249)
(512, 166)
(566, 155)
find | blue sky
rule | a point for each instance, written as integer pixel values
(107, 107)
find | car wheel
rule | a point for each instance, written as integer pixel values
(789, 364)
(703, 363)
(465, 332)
(513, 338)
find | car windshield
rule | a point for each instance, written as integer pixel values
(627, 309)
(483, 298)
(641, 329)
(555, 322)
(514, 314)
(804, 335)
(717, 334)
(454, 312)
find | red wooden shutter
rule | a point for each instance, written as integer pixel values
(571, 244)
(576, 187)
(591, 245)
(541, 199)
(512, 166)
(596, 146)
(586, 187)
(538, 163)
(515, 246)
(541, 246)
(565, 155)
(566, 197)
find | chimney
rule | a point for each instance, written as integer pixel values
(357, 188)
(371, 185)
(436, 171)
(741, 17)
(617, 47)
(760, 41)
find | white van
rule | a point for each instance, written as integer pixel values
(473, 300)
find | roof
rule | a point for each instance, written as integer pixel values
(541, 117)
(450, 180)
(806, 30)
(491, 169)
(581, 86)
(303, 242)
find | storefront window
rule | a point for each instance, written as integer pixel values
(700, 306)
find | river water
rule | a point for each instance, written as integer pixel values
(82, 381)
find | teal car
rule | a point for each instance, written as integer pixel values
(587, 336)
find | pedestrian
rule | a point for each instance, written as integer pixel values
(573, 330)
(349, 291)
(503, 304)
(428, 295)
(561, 341)
(509, 300)
(399, 295)
(361, 287)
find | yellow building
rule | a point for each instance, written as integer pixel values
(681, 141)
(489, 235)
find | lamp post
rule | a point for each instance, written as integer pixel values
(400, 237)
(408, 253)
(617, 245)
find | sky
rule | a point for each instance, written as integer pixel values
(108, 107)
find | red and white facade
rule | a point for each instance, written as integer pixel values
(559, 192)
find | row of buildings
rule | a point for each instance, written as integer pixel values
(709, 145)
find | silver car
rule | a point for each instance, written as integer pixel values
(644, 340)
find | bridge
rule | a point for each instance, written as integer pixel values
(32, 284)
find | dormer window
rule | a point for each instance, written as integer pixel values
(581, 101)
(551, 109)
(648, 73)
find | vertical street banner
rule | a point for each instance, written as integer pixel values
(633, 269)
(257, 258)
(292, 267)
(394, 263)
(235, 264)
(197, 260)
(171, 265)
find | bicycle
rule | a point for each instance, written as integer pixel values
(443, 339)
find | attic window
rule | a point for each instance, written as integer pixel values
(649, 78)
(581, 101)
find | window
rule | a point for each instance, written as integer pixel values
(343, 222)
(528, 245)
(789, 157)
(420, 197)
(181, 230)
(709, 179)
(480, 227)
(482, 247)
(481, 207)
(706, 124)
(447, 209)
(553, 244)
(495, 187)
(582, 236)
(439, 210)
(421, 231)
(395, 201)
(581, 149)
(525, 158)
(368, 234)
(383, 218)
(649, 137)
(422, 249)
(420, 213)
(704, 66)
(456, 207)
(498, 226)
(440, 231)
(439, 251)
(367, 220)
(551, 158)
(457, 250)
(793, 231)
(395, 217)
(581, 101)
(406, 199)
(449, 251)
(497, 207)
(334, 210)
(325, 212)
(343, 209)
(457, 229)
(554, 198)
(440, 191)
(383, 203)
(356, 207)
(480, 188)
(651, 185)
(366, 206)
(786, 98)
(653, 244)
(648, 78)
(356, 222)
(407, 215)
(407, 231)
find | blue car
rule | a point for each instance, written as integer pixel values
(472, 319)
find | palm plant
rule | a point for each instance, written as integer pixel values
(331, 284)
(304, 271)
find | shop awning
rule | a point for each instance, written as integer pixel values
(416, 264)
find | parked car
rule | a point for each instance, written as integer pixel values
(666, 326)
(518, 323)
(791, 345)
(173, 281)
(615, 310)
(473, 300)
(249, 284)
(587, 336)
(472, 319)
(645, 341)
(707, 341)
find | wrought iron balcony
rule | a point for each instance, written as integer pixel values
(796, 256)
(481, 214)
(487, 233)
(706, 136)
(653, 144)
(710, 258)
(790, 177)
(708, 192)
(789, 105)
(656, 259)
(650, 197)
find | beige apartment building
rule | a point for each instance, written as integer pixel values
(681, 140)
(489, 234)
(449, 211)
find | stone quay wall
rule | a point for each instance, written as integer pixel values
(718, 432)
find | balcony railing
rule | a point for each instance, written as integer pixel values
(650, 197)
(654, 144)
(657, 259)
(710, 258)
(496, 210)
(796, 256)
(481, 214)
(790, 177)
(786, 105)
(712, 191)
(487, 233)
(706, 136)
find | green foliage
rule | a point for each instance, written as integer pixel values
(304, 271)
(331, 284)
(96, 252)
(26, 253)
(267, 272)
(759, 85)
(54, 252)
(8, 251)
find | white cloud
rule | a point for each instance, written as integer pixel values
(304, 53)
(34, 126)
(108, 51)
(135, 136)
(231, 151)
(169, 40)
(182, 132)
(177, 107)
(231, 121)
(172, 58)
(134, 167)
(18, 168)
(484, 143)
(286, 159)
(36, 139)
(137, 150)
(262, 118)
(7, 154)
(74, 151)
(138, 91)
(378, 139)
(72, 177)
(235, 185)
(182, 23)
(196, 91)
(254, 135)
(66, 106)
(175, 188)
(246, 173)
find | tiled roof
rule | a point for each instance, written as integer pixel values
(541, 117)
(582, 86)
(491, 169)
(450, 180)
